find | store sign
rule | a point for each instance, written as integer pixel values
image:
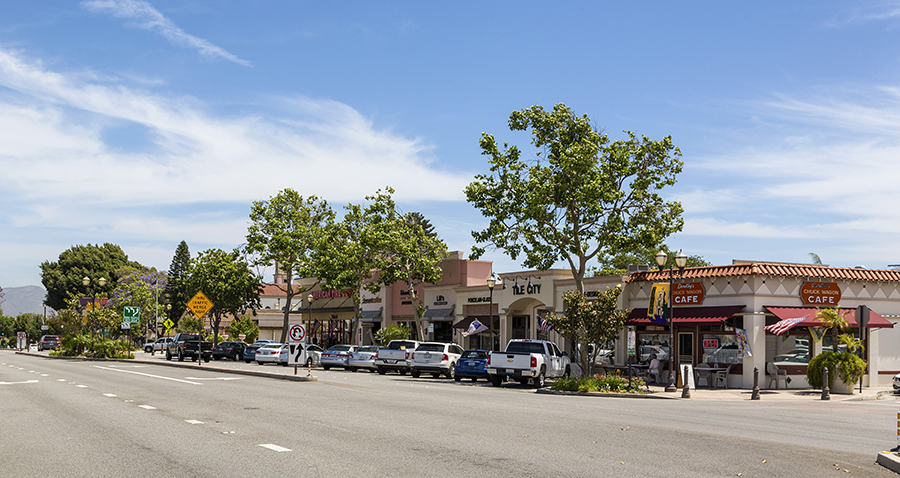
(710, 343)
(687, 293)
(820, 293)
(526, 289)
(475, 300)
(440, 300)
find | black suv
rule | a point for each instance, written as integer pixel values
(49, 342)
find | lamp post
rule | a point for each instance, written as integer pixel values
(309, 329)
(90, 289)
(680, 260)
(491, 283)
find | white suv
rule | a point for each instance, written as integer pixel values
(435, 357)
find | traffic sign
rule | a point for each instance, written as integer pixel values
(199, 304)
(297, 333)
(169, 324)
(131, 314)
(126, 325)
(296, 354)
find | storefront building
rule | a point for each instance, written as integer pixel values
(713, 304)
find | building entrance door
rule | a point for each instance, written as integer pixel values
(686, 348)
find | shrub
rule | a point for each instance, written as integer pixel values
(845, 365)
(600, 383)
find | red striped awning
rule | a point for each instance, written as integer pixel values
(809, 317)
(711, 315)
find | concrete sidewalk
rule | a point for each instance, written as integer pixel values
(802, 394)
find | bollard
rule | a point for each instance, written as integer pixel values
(755, 394)
(826, 392)
(685, 389)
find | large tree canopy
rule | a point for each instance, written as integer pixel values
(582, 195)
(64, 276)
(227, 281)
(288, 231)
(176, 286)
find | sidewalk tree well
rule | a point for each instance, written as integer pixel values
(74, 264)
(176, 283)
(289, 232)
(227, 281)
(589, 322)
(582, 195)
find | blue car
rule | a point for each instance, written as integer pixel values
(472, 365)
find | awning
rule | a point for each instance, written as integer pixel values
(439, 314)
(486, 320)
(370, 315)
(784, 313)
(712, 315)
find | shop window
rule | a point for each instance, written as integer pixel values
(720, 349)
(443, 332)
(520, 329)
(787, 349)
(648, 344)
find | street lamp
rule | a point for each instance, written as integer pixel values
(309, 329)
(680, 260)
(90, 289)
(492, 282)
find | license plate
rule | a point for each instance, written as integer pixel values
(470, 364)
(510, 370)
(428, 356)
(390, 361)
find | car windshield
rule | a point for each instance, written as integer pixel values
(474, 354)
(271, 346)
(430, 348)
(525, 347)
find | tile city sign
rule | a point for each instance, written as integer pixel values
(820, 293)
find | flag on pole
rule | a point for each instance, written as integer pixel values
(743, 343)
(783, 326)
(474, 328)
(543, 324)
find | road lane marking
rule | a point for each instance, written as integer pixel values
(194, 422)
(147, 407)
(148, 375)
(109, 395)
(60, 380)
(44, 375)
(214, 378)
(81, 386)
(15, 383)
(274, 447)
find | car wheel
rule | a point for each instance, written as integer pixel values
(206, 359)
(380, 370)
(539, 380)
(415, 373)
(352, 369)
(326, 367)
(457, 378)
(495, 380)
(168, 355)
(248, 361)
(258, 362)
(180, 356)
(451, 372)
(147, 350)
(194, 358)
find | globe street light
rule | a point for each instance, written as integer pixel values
(309, 330)
(680, 260)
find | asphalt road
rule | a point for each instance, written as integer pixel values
(87, 418)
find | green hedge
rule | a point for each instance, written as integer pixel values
(849, 367)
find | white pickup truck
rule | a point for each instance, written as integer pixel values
(395, 356)
(526, 359)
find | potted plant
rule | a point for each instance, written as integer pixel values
(847, 365)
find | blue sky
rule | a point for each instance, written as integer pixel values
(144, 123)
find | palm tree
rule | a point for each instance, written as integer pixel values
(833, 319)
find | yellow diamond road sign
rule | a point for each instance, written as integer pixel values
(169, 324)
(199, 304)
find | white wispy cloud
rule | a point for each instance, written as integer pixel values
(149, 18)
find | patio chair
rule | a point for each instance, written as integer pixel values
(775, 373)
(702, 371)
(722, 377)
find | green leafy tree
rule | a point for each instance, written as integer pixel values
(834, 320)
(143, 288)
(176, 282)
(392, 332)
(227, 281)
(584, 195)
(2, 300)
(618, 264)
(243, 326)
(288, 231)
(589, 322)
(406, 252)
(64, 276)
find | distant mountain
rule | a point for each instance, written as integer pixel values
(19, 300)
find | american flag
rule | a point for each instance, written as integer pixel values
(544, 326)
(784, 325)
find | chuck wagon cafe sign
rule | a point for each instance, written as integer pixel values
(820, 293)
(687, 293)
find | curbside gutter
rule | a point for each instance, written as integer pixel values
(191, 365)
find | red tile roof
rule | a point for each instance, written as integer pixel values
(771, 269)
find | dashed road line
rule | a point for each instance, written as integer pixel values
(274, 447)
(109, 395)
(16, 383)
(194, 422)
(148, 375)
(147, 407)
(81, 386)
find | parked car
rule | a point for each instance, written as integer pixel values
(229, 350)
(49, 342)
(395, 356)
(897, 383)
(472, 365)
(525, 360)
(337, 356)
(364, 358)
(435, 357)
(268, 353)
(158, 345)
(189, 345)
(250, 350)
(313, 355)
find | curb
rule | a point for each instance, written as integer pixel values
(193, 366)
(608, 394)
(889, 460)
